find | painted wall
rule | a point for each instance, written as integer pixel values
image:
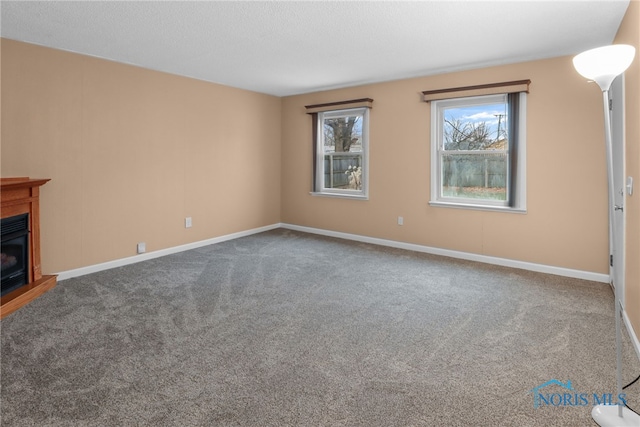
(629, 33)
(566, 221)
(132, 152)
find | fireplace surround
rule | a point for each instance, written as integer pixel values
(22, 278)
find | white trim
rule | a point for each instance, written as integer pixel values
(436, 137)
(159, 253)
(541, 268)
(319, 188)
(340, 195)
(463, 205)
(632, 333)
(617, 98)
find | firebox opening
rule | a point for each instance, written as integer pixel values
(14, 257)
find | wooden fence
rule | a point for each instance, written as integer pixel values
(335, 166)
(485, 169)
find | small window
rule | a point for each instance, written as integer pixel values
(341, 152)
(477, 147)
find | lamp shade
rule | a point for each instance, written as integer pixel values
(604, 64)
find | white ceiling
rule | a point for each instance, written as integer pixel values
(285, 48)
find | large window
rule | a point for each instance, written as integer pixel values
(477, 152)
(341, 152)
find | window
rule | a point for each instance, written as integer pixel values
(341, 148)
(341, 152)
(477, 152)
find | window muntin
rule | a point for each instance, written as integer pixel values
(474, 158)
(341, 152)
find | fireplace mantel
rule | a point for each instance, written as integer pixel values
(19, 196)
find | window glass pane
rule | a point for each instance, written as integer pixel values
(342, 150)
(479, 127)
(343, 170)
(473, 154)
(475, 176)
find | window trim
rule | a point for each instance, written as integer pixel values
(516, 201)
(477, 90)
(318, 153)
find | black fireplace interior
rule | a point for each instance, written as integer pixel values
(14, 233)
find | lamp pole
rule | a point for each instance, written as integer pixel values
(603, 65)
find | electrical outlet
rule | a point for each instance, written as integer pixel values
(142, 247)
(400, 220)
(187, 222)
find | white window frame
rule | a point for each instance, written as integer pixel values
(319, 188)
(437, 148)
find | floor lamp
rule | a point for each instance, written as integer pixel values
(603, 65)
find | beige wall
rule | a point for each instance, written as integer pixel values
(566, 222)
(629, 33)
(132, 152)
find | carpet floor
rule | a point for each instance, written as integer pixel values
(289, 329)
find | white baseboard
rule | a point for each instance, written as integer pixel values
(541, 268)
(632, 333)
(162, 252)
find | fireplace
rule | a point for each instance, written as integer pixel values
(22, 278)
(14, 257)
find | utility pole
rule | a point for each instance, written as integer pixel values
(499, 116)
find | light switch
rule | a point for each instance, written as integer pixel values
(630, 185)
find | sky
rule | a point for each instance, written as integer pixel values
(480, 113)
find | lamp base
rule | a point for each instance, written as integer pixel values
(607, 416)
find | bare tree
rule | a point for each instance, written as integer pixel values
(465, 135)
(339, 132)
